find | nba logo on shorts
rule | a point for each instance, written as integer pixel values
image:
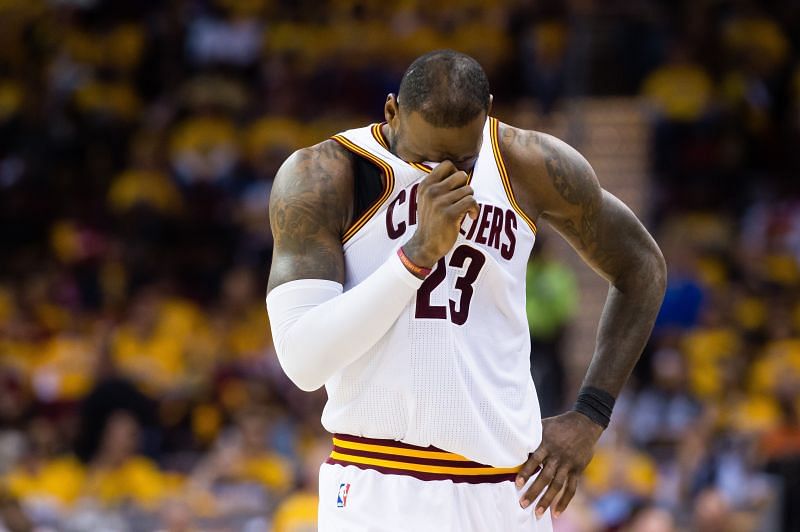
(341, 499)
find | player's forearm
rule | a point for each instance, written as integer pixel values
(319, 330)
(627, 320)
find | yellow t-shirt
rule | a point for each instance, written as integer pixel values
(621, 468)
(780, 360)
(59, 479)
(249, 336)
(297, 513)
(66, 362)
(155, 363)
(138, 480)
(705, 349)
(120, 48)
(114, 98)
(681, 91)
(133, 187)
(752, 414)
(269, 469)
(760, 36)
(273, 132)
(202, 135)
(11, 97)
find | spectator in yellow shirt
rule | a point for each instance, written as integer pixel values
(118, 474)
(298, 511)
(680, 90)
(242, 458)
(44, 479)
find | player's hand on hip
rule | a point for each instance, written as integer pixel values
(443, 199)
(567, 447)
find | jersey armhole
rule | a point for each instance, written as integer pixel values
(360, 192)
(494, 129)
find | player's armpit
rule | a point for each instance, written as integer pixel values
(310, 207)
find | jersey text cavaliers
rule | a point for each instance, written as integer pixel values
(494, 227)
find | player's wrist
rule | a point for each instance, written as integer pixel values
(417, 255)
(417, 270)
(595, 404)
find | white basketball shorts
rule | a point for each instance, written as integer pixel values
(370, 485)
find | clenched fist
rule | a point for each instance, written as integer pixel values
(443, 199)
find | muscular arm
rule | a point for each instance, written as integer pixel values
(555, 183)
(319, 329)
(607, 236)
(309, 209)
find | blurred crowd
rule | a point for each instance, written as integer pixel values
(138, 140)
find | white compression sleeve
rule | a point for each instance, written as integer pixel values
(318, 329)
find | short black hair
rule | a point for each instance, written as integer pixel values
(446, 87)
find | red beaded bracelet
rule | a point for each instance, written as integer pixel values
(418, 271)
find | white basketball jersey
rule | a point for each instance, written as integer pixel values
(454, 369)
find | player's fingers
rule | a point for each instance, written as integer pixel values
(531, 466)
(462, 206)
(552, 491)
(455, 195)
(442, 171)
(545, 477)
(440, 188)
(474, 211)
(567, 495)
(455, 180)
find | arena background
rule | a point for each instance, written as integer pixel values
(138, 141)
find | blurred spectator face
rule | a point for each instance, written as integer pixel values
(176, 516)
(146, 151)
(711, 511)
(144, 316)
(779, 324)
(12, 397)
(43, 437)
(669, 369)
(652, 520)
(253, 425)
(238, 288)
(120, 438)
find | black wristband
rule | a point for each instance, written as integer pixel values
(596, 404)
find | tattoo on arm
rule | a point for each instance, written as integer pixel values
(310, 205)
(576, 210)
(609, 238)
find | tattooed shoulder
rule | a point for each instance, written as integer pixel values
(566, 191)
(553, 171)
(570, 173)
(314, 181)
(601, 228)
(310, 206)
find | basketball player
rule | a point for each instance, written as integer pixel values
(397, 282)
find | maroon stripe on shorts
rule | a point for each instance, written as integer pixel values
(388, 443)
(470, 479)
(407, 459)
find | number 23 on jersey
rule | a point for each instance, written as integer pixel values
(462, 256)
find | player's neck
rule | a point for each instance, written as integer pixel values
(388, 135)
